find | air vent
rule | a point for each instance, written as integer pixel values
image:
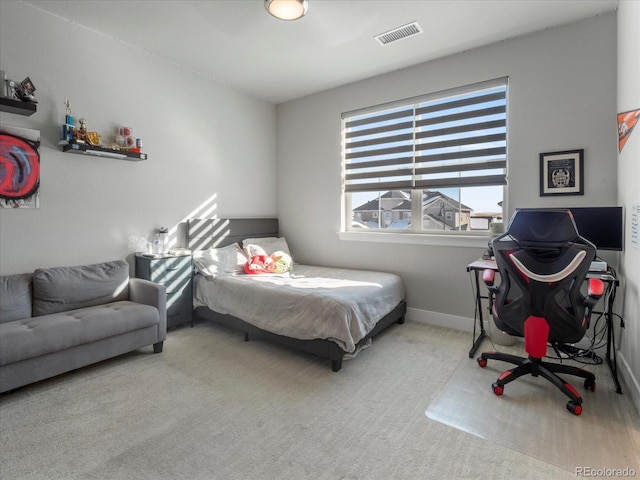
(399, 33)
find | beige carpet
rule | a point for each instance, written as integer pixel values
(214, 407)
(531, 416)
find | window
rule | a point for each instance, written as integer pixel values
(431, 164)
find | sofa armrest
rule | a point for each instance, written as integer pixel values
(150, 293)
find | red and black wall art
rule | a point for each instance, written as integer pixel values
(19, 167)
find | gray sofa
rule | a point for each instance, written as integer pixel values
(59, 319)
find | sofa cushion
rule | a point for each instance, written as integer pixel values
(15, 297)
(36, 336)
(60, 289)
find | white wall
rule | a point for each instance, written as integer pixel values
(628, 193)
(562, 96)
(207, 144)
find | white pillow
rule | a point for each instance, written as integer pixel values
(265, 246)
(214, 262)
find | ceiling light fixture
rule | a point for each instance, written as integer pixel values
(286, 9)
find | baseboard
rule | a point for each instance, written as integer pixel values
(631, 383)
(440, 319)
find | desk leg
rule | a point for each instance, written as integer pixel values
(482, 334)
(611, 345)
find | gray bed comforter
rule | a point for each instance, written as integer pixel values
(342, 305)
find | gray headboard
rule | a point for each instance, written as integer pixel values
(203, 233)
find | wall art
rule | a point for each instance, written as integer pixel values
(627, 121)
(19, 167)
(562, 173)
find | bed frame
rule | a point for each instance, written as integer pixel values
(206, 233)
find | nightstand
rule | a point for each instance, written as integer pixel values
(176, 273)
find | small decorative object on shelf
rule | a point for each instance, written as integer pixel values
(19, 90)
(67, 126)
(24, 91)
(17, 97)
(80, 135)
(124, 138)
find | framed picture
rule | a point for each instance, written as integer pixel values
(27, 86)
(562, 173)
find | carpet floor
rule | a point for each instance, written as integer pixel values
(212, 406)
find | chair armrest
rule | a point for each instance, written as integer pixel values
(488, 276)
(596, 287)
(595, 290)
(489, 279)
(150, 293)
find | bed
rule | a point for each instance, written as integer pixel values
(329, 312)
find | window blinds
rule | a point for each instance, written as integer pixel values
(452, 139)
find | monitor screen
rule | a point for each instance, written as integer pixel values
(602, 226)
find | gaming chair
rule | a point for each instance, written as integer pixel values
(542, 264)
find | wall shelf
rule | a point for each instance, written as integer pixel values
(85, 149)
(18, 107)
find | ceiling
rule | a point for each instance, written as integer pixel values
(237, 43)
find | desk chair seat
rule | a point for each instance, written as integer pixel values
(542, 265)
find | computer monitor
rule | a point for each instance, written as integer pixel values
(602, 226)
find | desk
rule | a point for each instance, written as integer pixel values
(608, 277)
(476, 267)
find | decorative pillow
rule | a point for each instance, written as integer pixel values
(59, 289)
(265, 246)
(277, 263)
(214, 262)
(259, 264)
(282, 262)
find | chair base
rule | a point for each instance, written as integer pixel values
(536, 367)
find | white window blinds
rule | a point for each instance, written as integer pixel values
(456, 138)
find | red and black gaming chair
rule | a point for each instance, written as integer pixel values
(542, 265)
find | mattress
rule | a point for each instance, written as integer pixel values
(311, 302)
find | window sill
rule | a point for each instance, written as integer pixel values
(469, 241)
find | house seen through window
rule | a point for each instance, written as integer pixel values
(432, 164)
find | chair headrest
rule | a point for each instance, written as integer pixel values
(542, 227)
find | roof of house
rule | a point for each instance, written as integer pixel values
(404, 201)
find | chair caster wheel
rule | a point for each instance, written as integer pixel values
(590, 385)
(482, 362)
(574, 407)
(497, 389)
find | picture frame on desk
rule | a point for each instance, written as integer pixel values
(562, 173)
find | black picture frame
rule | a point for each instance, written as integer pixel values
(562, 173)
(27, 86)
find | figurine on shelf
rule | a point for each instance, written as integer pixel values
(93, 139)
(11, 89)
(80, 135)
(24, 91)
(67, 126)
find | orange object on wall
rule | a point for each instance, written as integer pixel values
(626, 123)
